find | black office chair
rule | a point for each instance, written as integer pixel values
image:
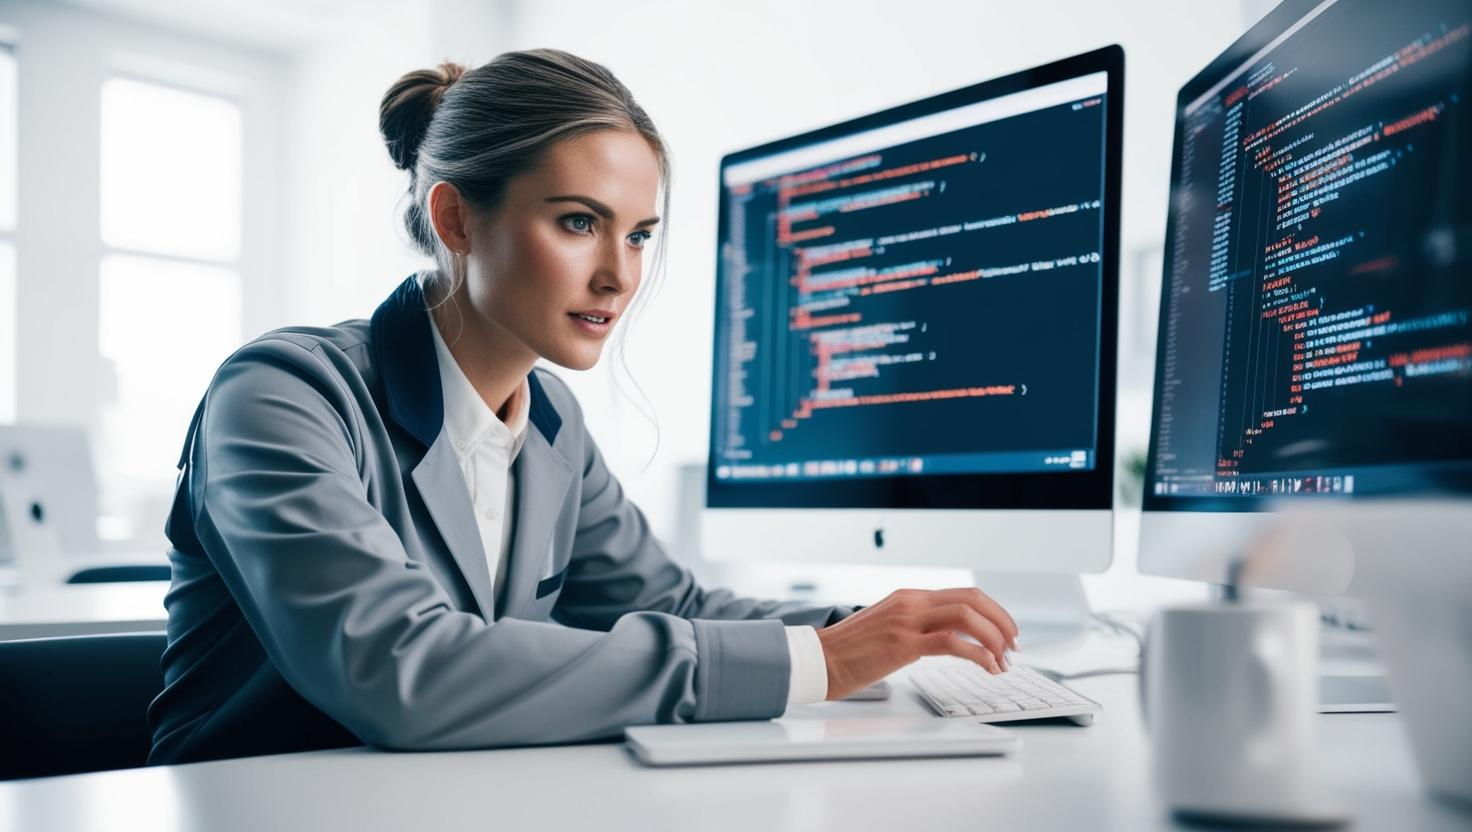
(120, 574)
(78, 703)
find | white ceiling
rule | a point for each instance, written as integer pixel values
(276, 25)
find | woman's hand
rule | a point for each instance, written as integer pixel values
(910, 623)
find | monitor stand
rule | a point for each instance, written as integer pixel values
(1047, 607)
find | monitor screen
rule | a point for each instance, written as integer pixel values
(1314, 332)
(915, 308)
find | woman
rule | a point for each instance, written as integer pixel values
(395, 531)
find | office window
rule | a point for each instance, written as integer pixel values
(8, 115)
(166, 326)
(169, 306)
(170, 171)
(7, 331)
(7, 139)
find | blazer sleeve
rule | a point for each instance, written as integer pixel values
(282, 509)
(618, 567)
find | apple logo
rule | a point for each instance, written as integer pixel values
(879, 538)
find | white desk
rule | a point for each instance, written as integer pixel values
(82, 609)
(1064, 777)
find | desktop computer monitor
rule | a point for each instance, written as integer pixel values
(915, 332)
(48, 502)
(1314, 340)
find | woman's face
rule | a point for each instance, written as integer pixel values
(556, 264)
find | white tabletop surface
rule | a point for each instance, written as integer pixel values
(1064, 777)
(81, 609)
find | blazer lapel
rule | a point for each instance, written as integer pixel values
(543, 477)
(442, 487)
(404, 352)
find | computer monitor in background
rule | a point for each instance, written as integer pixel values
(915, 332)
(1314, 340)
(48, 502)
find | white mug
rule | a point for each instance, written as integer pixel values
(1230, 698)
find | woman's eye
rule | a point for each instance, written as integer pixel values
(639, 238)
(578, 223)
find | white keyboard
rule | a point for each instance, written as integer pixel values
(965, 690)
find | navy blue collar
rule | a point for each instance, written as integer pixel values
(403, 348)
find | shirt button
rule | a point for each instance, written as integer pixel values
(460, 446)
(491, 513)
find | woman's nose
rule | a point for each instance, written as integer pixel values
(615, 273)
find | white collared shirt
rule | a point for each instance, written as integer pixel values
(486, 447)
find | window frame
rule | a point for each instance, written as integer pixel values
(172, 82)
(9, 408)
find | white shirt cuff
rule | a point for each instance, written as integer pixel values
(809, 669)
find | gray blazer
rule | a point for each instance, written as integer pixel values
(329, 577)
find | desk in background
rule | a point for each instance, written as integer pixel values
(1064, 777)
(82, 609)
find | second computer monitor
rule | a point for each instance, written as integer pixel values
(915, 332)
(1315, 336)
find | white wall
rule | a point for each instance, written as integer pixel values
(348, 248)
(346, 252)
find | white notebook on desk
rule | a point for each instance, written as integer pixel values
(815, 739)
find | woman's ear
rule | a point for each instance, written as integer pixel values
(450, 215)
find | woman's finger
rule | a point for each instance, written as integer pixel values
(965, 619)
(947, 643)
(984, 604)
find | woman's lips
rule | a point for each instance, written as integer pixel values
(594, 322)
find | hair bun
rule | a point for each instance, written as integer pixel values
(403, 117)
